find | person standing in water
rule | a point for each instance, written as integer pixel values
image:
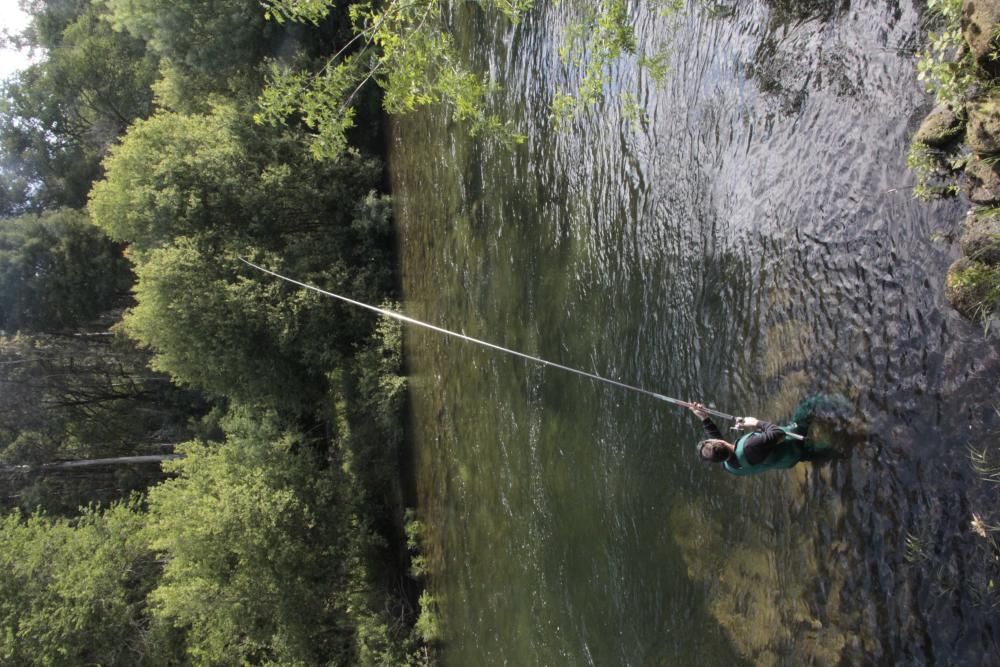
(767, 447)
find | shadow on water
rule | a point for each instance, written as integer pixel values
(743, 244)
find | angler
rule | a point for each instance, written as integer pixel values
(768, 447)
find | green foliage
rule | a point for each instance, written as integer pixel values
(405, 48)
(57, 272)
(600, 38)
(380, 382)
(269, 546)
(254, 547)
(946, 67)
(428, 626)
(169, 176)
(209, 52)
(981, 283)
(379, 645)
(73, 593)
(307, 11)
(212, 175)
(211, 330)
(415, 536)
(984, 464)
(604, 32)
(212, 40)
(191, 194)
(80, 397)
(372, 391)
(315, 100)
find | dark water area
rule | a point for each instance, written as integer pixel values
(749, 241)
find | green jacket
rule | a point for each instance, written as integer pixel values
(785, 455)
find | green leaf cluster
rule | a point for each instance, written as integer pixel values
(979, 283)
(404, 48)
(935, 175)
(211, 40)
(254, 547)
(74, 592)
(946, 67)
(594, 43)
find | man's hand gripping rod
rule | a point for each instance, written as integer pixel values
(738, 421)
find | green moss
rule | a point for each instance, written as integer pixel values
(973, 288)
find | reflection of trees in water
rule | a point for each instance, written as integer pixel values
(789, 62)
(788, 11)
(787, 71)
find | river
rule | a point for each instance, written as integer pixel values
(748, 240)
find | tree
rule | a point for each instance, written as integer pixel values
(74, 592)
(254, 547)
(211, 38)
(81, 397)
(174, 175)
(212, 330)
(191, 194)
(59, 116)
(58, 273)
(206, 48)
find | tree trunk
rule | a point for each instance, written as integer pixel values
(89, 463)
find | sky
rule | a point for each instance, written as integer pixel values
(13, 20)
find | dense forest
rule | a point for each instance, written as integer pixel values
(136, 171)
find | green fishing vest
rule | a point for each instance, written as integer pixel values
(785, 455)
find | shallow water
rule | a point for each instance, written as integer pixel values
(750, 242)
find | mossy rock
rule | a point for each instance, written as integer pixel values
(940, 128)
(973, 289)
(981, 237)
(979, 20)
(982, 133)
(983, 181)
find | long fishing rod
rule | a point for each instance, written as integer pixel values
(409, 320)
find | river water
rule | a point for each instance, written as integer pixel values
(748, 240)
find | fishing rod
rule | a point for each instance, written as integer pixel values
(409, 320)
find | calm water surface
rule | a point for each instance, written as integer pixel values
(748, 242)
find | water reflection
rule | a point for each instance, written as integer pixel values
(734, 248)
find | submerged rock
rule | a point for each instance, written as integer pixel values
(940, 127)
(983, 181)
(981, 237)
(982, 134)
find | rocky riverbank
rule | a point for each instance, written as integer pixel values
(957, 148)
